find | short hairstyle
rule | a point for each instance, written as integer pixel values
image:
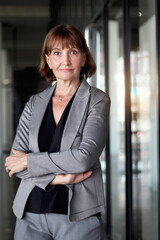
(68, 35)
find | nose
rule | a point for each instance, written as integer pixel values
(66, 59)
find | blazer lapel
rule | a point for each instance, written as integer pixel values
(73, 121)
(39, 109)
(75, 116)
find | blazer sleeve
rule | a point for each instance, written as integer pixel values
(21, 140)
(21, 143)
(82, 158)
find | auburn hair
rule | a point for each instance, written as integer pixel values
(68, 36)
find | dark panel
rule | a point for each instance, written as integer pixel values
(158, 72)
(129, 210)
(108, 168)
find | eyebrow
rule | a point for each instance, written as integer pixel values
(56, 49)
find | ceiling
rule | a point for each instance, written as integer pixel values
(24, 26)
(26, 22)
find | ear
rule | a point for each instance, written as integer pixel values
(84, 59)
(47, 60)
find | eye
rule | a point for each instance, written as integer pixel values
(56, 53)
(74, 52)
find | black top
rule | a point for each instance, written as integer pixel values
(49, 139)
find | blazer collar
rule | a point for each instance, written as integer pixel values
(73, 121)
(39, 109)
(82, 92)
(75, 116)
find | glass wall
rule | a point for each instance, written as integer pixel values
(144, 119)
(117, 119)
(144, 125)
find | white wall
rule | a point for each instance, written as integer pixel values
(7, 185)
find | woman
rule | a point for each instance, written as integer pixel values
(61, 134)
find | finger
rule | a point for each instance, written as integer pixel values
(7, 159)
(87, 174)
(9, 164)
(11, 173)
(81, 177)
(7, 170)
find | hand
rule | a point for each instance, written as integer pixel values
(16, 162)
(65, 179)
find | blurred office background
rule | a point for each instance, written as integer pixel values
(124, 38)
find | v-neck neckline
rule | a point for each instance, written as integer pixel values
(63, 113)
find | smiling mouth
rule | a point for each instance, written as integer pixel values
(66, 70)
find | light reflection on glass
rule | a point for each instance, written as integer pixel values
(144, 123)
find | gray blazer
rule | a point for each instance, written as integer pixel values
(83, 140)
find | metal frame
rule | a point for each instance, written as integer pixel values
(158, 74)
(128, 146)
(108, 167)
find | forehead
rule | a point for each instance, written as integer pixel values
(62, 47)
(64, 44)
(59, 42)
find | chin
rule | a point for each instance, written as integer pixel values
(67, 79)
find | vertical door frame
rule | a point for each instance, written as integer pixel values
(158, 78)
(108, 165)
(128, 145)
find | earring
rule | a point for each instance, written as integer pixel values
(54, 78)
(82, 74)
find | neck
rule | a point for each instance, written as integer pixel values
(66, 88)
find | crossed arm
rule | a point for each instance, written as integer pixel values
(17, 162)
(66, 167)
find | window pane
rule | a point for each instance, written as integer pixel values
(144, 119)
(117, 140)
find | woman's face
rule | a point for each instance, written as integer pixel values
(66, 63)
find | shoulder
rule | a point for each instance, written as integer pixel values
(97, 95)
(42, 95)
(46, 92)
